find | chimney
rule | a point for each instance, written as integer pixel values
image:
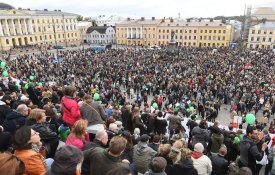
(163, 20)
(59, 10)
(142, 18)
(223, 21)
(153, 18)
(128, 19)
(171, 20)
(19, 8)
(105, 25)
(45, 9)
(199, 20)
(211, 19)
(28, 9)
(55, 10)
(188, 20)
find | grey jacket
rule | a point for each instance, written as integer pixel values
(93, 112)
(142, 156)
(200, 136)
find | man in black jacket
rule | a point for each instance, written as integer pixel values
(219, 163)
(249, 152)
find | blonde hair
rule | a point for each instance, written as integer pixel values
(36, 114)
(135, 112)
(186, 153)
(164, 149)
(79, 128)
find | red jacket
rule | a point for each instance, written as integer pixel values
(71, 110)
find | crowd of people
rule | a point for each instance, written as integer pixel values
(121, 112)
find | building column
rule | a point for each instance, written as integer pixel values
(127, 30)
(30, 26)
(13, 26)
(1, 29)
(141, 35)
(20, 28)
(7, 27)
(131, 32)
(25, 25)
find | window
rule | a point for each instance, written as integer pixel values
(35, 38)
(176, 37)
(7, 41)
(253, 32)
(201, 31)
(263, 39)
(259, 31)
(205, 31)
(148, 35)
(159, 31)
(176, 31)
(223, 38)
(209, 37)
(200, 37)
(185, 31)
(163, 31)
(264, 31)
(185, 37)
(195, 37)
(251, 46)
(194, 44)
(45, 37)
(270, 32)
(190, 31)
(40, 38)
(39, 29)
(189, 37)
(204, 37)
(180, 31)
(210, 31)
(252, 39)
(58, 36)
(269, 39)
(159, 36)
(258, 38)
(180, 37)
(219, 38)
(167, 36)
(50, 36)
(220, 31)
(223, 31)
(167, 31)
(195, 31)
(163, 37)
(214, 31)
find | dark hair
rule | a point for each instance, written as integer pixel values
(203, 124)
(127, 135)
(11, 164)
(158, 164)
(81, 94)
(5, 98)
(21, 138)
(159, 114)
(250, 129)
(69, 90)
(156, 138)
(119, 170)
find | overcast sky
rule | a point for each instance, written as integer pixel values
(145, 8)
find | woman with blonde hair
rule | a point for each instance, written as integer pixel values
(163, 151)
(185, 165)
(136, 121)
(48, 136)
(79, 135)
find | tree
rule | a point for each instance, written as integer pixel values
(79, 18)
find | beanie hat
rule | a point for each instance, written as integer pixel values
(198, 147)
(66, 160)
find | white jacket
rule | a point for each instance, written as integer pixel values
(203, 165)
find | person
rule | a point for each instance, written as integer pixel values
(143, 154)
(174, 121)
(161, 124)
(249, 152)
(11, 164)
(48, 137)
(67, 161)
(78, 135)
(201, 162)
(157, 166)
(94, 113)
(185, 165)
(219, 163)
(4, 108)
(136, 121)
(128, 152)
(101, 140)
(16, 119)
(71, 110)
(174, 154)
(136, 136)
(271, 155)
(216, 140)
(200, 134)
(27, 147)
(191, 124)
(5, 140)
(163, 151)
(104, 160)
(156, 142)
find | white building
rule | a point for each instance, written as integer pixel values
(104, 20)
(101, 35)
(262, 36)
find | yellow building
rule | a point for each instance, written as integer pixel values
(19, 28)
(137, 32)
(187, 33)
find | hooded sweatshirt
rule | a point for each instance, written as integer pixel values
(142, 156)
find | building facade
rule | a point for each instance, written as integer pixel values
(104, 20)
(262, 36)
(187, 33)
(101, 35)
(83, 27)
(19, 28)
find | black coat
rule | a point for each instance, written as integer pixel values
(13, 122)
(4, 111)
(161, 125)
(219, 165)
(184, 167)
